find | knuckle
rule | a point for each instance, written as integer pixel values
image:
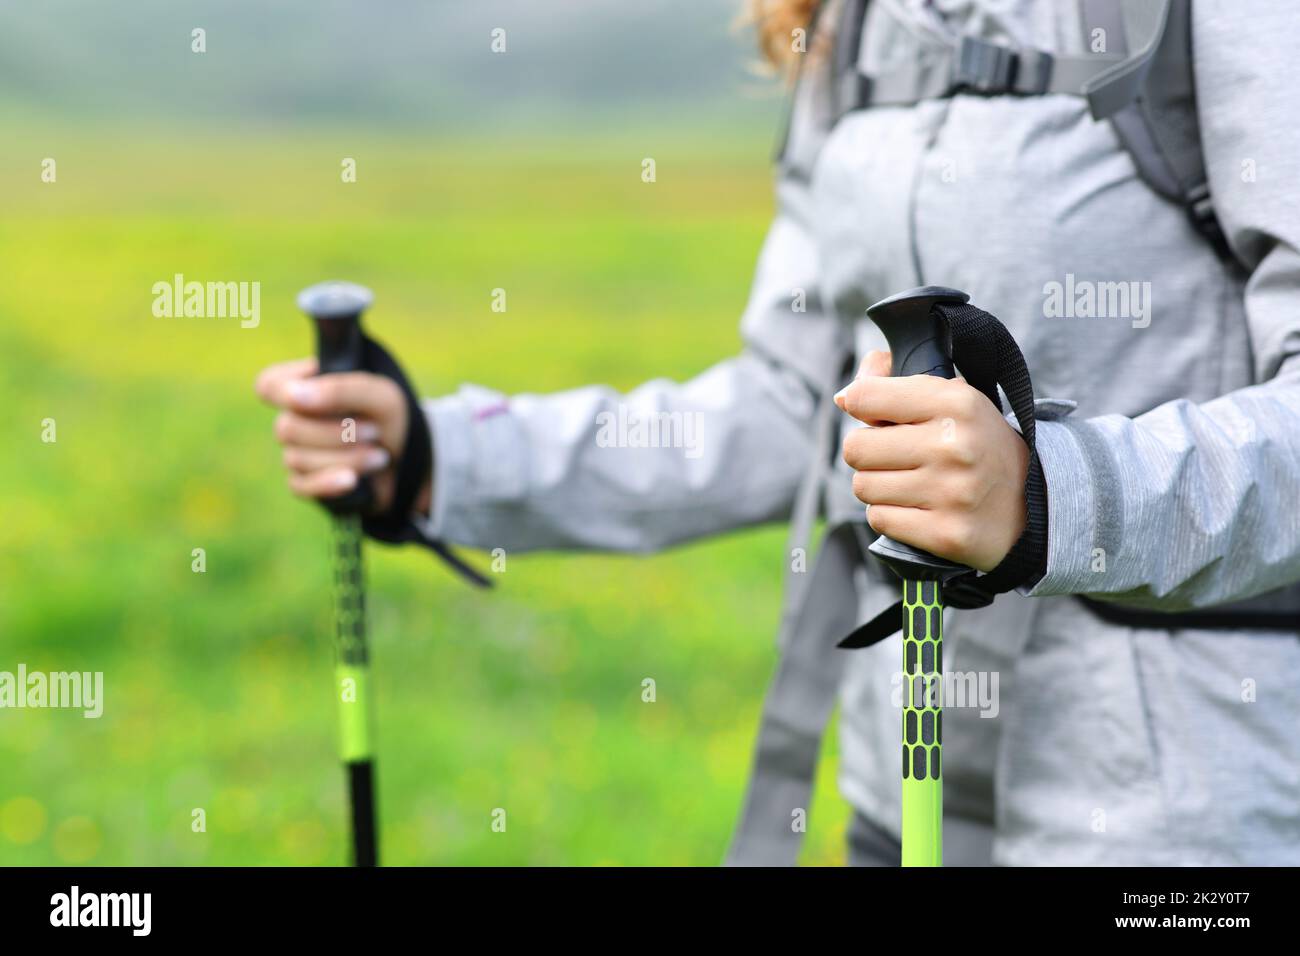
(327, 387)
(853, 396)
(878, 520)
(955, 536)
(850, 446)
(388, 389)
(861, 487)
(965, 399)
(963, 493)
(283, 426)
(960, 451)
(945, 540)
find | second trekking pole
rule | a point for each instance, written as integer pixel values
(335, 308)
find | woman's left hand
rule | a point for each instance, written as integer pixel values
(949, 477)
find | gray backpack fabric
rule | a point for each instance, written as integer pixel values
(1141, 81)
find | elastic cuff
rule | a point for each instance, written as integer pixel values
(1071, 519)
(450, 423)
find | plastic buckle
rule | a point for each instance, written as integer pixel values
(1200, 206)
(1200, 209)
(1033, 72)
(984, 67)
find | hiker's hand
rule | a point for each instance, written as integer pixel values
(324, 454)
(949, 478)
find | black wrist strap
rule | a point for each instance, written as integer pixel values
(396, 526)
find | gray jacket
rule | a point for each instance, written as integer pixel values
(1175, 484)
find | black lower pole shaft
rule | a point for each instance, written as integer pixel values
(361, 785)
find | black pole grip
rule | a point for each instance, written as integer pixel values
(917, 337)
(339, 345)
(915, 332)
(335, 309)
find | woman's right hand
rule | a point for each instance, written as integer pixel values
(323, 456)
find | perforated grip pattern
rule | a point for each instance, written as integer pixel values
(922, 723)
(349, 592)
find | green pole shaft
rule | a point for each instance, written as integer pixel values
(352, 680)
(922, 723)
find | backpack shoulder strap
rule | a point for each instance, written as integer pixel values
(1101, 25)
(1150, 100)
(846, 82)
(1115, 88)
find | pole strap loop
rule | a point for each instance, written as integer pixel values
(396, 526)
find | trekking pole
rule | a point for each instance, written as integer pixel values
(335, 308)
(916, 337)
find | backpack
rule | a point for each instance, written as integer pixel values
(1148, 94)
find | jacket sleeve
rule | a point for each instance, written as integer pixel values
(595, 469)
(1193, 505)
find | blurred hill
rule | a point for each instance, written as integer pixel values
(423, 64)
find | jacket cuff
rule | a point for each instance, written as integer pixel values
(1072, 518)
(472, 432)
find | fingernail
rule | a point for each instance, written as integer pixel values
(367, 432)
(304, 393)
(343, 480)
(375, 459)
(839, 396)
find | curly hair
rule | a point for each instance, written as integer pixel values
(775, 22)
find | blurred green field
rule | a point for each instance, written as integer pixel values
(218, 685)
